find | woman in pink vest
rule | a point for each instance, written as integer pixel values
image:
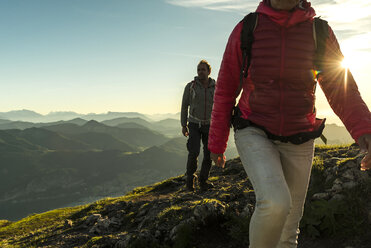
(278, 103)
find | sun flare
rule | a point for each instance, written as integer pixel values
(345, 63)
(354, 50)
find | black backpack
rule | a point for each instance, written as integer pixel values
(247, 39)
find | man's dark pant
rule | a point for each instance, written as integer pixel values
(196, 134)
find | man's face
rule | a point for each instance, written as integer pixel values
(284, 4)
(202, 71)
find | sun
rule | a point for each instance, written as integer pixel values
(356, 52)
(345, 63)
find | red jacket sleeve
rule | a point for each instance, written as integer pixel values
(225, 93)
(342, 92)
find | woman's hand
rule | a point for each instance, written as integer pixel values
(219, 159)
(365, 144)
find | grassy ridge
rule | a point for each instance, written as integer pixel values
(34, 228)
(322, 219)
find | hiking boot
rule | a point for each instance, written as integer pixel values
(206, 185)
(190, 182)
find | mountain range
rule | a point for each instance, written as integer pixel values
(48, 165)
(65, 164)
(32, 116)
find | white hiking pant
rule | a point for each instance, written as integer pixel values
(279, 173)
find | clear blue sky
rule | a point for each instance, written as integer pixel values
(136, 55)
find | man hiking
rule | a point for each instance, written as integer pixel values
(198, 99)
(275, 123)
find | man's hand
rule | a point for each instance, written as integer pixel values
(365, 144)
(219, 159)
(185, 131)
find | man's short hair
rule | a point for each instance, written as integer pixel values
(205, 63)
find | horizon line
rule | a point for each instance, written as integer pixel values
(88, 113)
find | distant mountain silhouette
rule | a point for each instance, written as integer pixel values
(131, 125)
(3, 121)
(168, 127)
(123, 120)
(158, 117)
(176, 145)
(23, 125)
(112, 115)
(16, 125)
(10, 142)
(43, 139)
(168, 123)
(103, 141)
(24, 114)
(61, 115)
(134, 136)
(77, 121)
(48, 139)
(31, 116)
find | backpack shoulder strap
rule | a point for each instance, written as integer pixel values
(192, 84)
(247, 38)
(320, 33)
(192, 88)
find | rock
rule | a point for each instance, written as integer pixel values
(212, 208)
(124, 242)
(327, 171)
(129, 204)
(234, 168)
(338, 181)
(120, 244)
(105, 225)
(351, 164)
(95, 230)
(348, 175)
(174, 231)
(363, 175)
(141, 213)
(158, 234)
(142, 223)
(321, 196)
(247, 211)
(350, 185)
(329, 177)
(115, 222)
(92, 219)
(68, 224)
(337, 197)
(146, 237)
(336, 188)
(242, 174)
